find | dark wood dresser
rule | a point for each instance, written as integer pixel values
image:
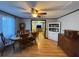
(69, 42)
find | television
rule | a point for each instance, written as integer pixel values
(38, 26)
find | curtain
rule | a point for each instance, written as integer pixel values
(8, 26)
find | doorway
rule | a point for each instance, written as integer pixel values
(39, 26)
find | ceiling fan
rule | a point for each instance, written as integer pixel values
(35, 13)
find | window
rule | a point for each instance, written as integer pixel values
(8, 26)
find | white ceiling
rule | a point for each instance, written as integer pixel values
(54, 9)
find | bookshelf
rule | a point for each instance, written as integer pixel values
(53, 30)
(54, 27)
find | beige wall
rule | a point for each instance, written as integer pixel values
(70, 22)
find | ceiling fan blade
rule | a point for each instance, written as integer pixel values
(42, 13)
(34, 10)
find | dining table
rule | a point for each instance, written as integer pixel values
(21, 40)
(16, 38)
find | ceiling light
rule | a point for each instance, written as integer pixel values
(34, 15)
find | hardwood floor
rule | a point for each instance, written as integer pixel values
(43, 48)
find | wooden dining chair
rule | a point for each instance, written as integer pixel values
(5, 43)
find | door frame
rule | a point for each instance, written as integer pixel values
(39, 20)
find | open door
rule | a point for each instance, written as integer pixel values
(39, 26)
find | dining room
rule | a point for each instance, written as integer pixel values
(39, 28)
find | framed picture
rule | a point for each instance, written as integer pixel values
(22, 25)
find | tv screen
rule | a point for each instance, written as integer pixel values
(38, 26)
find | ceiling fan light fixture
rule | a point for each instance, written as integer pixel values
(34, 15)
